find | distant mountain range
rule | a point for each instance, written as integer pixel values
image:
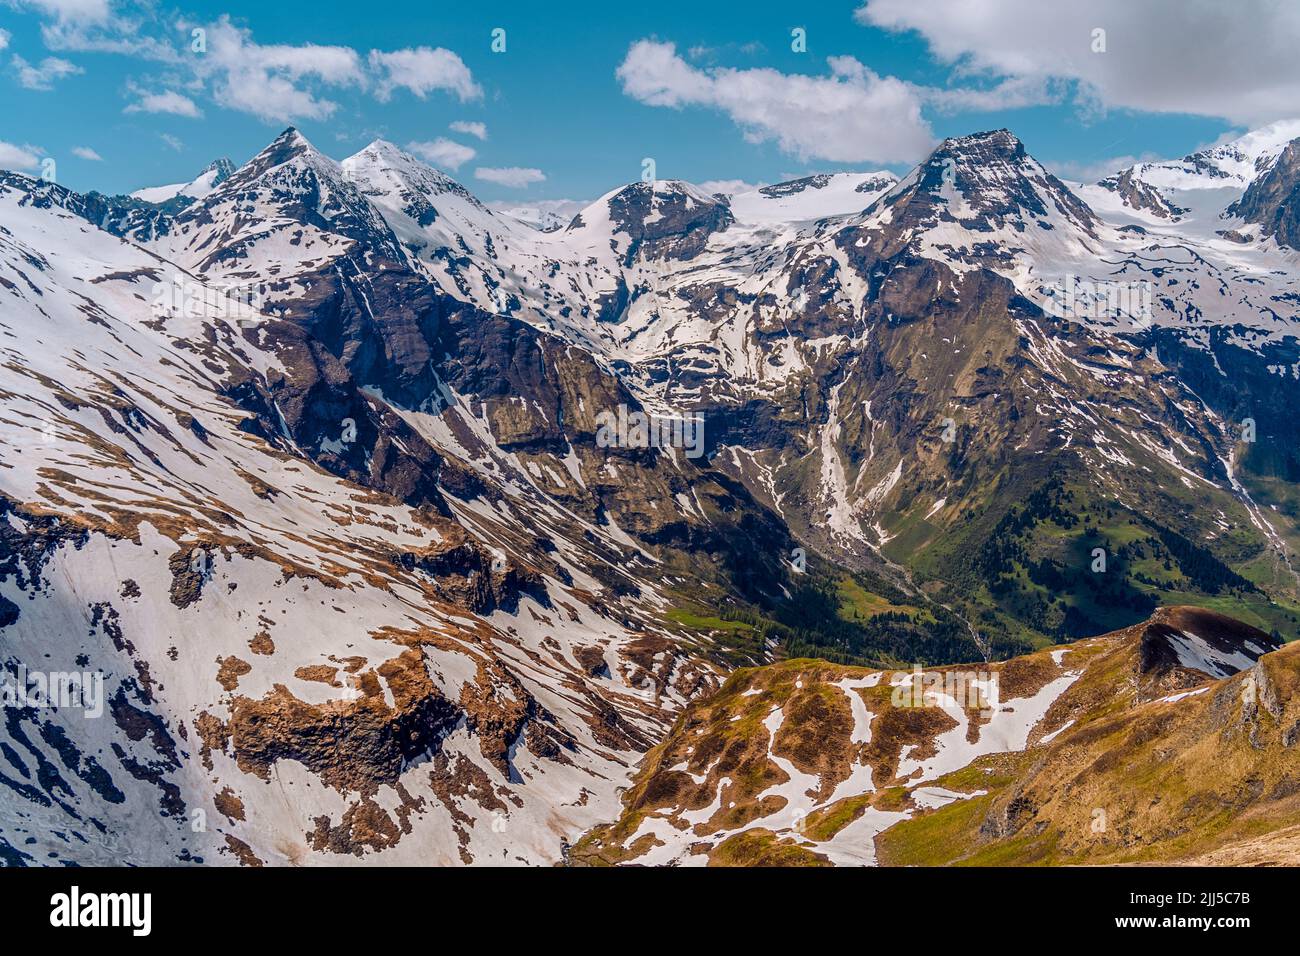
(324, 468)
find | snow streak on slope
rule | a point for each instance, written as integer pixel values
(282, 660)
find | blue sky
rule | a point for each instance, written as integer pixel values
(581, 95)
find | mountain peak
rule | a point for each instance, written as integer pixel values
(1251, 153)
(291, 136)
(286, 146)
(658, 191)
(1235, 164)
(664, 218)
(381, 155)
(988, 179)
(222, 167)
(995, 139)
(212, 176)
(998, 149)
(383, 147)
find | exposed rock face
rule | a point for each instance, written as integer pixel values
(365, 543)
(667, 221)
(354, 746)
(987, 182)
(1182, 646)
(1141, 195)
(796, 186)
(466, 574)
(1273, 200)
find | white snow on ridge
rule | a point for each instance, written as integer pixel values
(1198, 654)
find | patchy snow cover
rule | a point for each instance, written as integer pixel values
(197, 600)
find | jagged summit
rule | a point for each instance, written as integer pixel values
(986, 185)
(381, 503)
(286, 147)
(663, 219)
(290, 202)
(1208, 180)
(211, 176)
(1272, 201)
(1247, 156)
(383, 168)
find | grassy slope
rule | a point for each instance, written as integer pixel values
(1157, 782)
(1174, 781)
(1048, 592)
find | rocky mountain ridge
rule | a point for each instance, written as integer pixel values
(350, 398)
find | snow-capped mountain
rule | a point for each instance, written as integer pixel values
(1232, 165)
(216, 173)
(232, 725)
(311, 460)
(810, 198)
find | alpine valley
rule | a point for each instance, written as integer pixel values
(303, 462)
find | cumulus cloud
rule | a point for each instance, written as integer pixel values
(168, 101)
(44, 75)
(516, 177)
(540, 212)
(477, 130)
(729, 187)
(94, 30)
(1092, 170)
(422, 71)
(69, 11)
(19, 157)
(271, 81)
(1016, 92)
(86, 153)
(443, 152)
(849, 115)
(281, 83)
(277, 83)
(1165, 56)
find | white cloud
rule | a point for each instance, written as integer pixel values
(422, 70)
(69, 11)
(540, 211)
(728, 186)
(168, 101)
(86, 153)
(171, 141)
(1092, 170)
(1012, 93)
(283, 82)
(443, 152)
(477, 130)
(275, 82)
(270, 81)
(118, 34)
(44, 75)
(19, 157)
(4, 38)
(515, 177)
(1230, 60)
(850, 115)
